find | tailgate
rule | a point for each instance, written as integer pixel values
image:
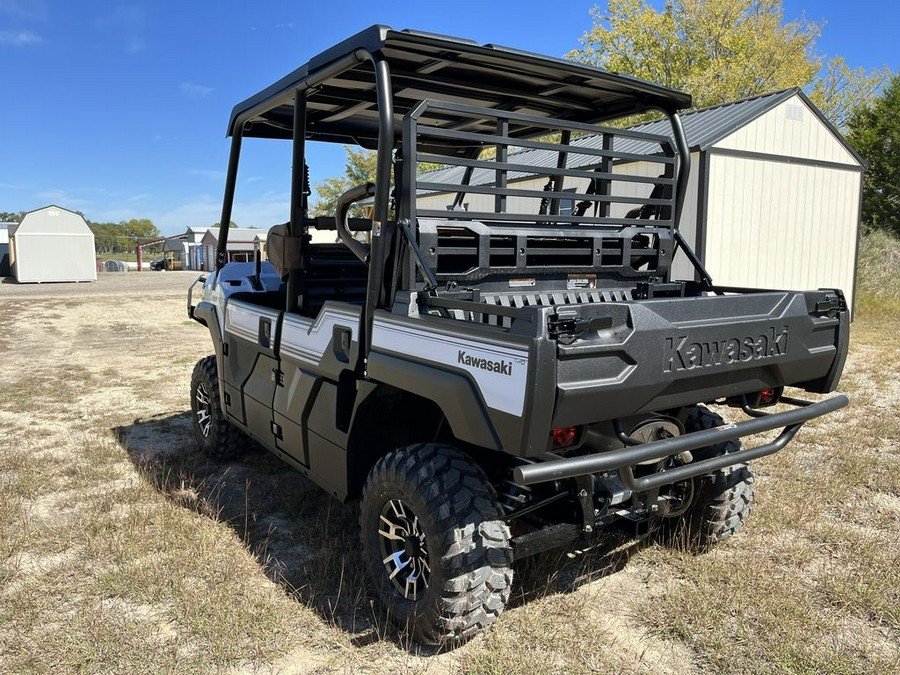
(628, 358)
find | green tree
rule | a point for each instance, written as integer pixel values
(11, 216)
(723, 50)
(140, 228)
(875, 132)
(840, 91)
(105, 236)
(360, 168)
(122, 237)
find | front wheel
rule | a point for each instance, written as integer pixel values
(436, 548)
(213, 432)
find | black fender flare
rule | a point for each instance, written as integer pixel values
(453, 392)
(206, 313)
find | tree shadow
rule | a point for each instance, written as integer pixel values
(306, 541)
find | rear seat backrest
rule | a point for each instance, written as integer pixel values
(332, 273)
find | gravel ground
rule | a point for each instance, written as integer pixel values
(106, 284)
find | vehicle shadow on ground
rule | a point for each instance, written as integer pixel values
(306, 541)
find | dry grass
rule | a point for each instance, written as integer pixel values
(122, 549)
(878, 275)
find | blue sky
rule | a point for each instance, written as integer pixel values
(119, 109)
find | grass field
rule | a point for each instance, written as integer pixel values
(122, 549)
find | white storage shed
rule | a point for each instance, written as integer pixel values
(53, 244)
(773, 199)
(242, 243)
(193, 248)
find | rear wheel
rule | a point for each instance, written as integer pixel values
(720, 501)
(213, 432)
(436, 548)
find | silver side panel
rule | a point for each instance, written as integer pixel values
(305, 340)
(242, 319)
(500, 372)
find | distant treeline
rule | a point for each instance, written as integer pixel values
(109, 238)
(122, 237)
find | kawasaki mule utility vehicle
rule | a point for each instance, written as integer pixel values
(498, 359)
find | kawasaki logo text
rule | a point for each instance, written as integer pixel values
(502, 367)
(680, 354)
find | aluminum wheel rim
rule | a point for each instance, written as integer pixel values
(404, 550)
(204, 410)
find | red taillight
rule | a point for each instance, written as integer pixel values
(563, 436)
(768, 396)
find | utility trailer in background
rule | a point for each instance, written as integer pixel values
(493, 384)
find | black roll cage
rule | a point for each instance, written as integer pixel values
(296, 94)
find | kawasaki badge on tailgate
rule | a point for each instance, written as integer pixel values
(679, 354)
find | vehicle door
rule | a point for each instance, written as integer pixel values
(250, 363)
(317, 352)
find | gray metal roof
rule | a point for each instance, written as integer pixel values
(706, 126)
(341, 92)
(703, 128)
(236, 235)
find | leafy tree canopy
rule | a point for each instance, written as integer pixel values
(360, 168)
(874, 131)
(723, 50)
(12, 216)
(111, 238)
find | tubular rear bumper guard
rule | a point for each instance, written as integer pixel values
(624, 459)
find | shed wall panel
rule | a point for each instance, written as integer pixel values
(55, 257)
(779, 225)
(790, 129)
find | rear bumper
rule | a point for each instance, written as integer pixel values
(625, 458)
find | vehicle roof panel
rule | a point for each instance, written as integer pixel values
(342, 107)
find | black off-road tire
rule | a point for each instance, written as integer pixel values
(466, 541)
(722, 500)
(217, 439)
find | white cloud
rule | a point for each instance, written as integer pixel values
(113, 215)
(212, 174)
(22, 9)
(204, 210)
(19, 38)
(124, 22)
(121, 16)
(192, 90)
(64, 199)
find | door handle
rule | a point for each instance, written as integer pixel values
(265, 332)
(341, 339)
